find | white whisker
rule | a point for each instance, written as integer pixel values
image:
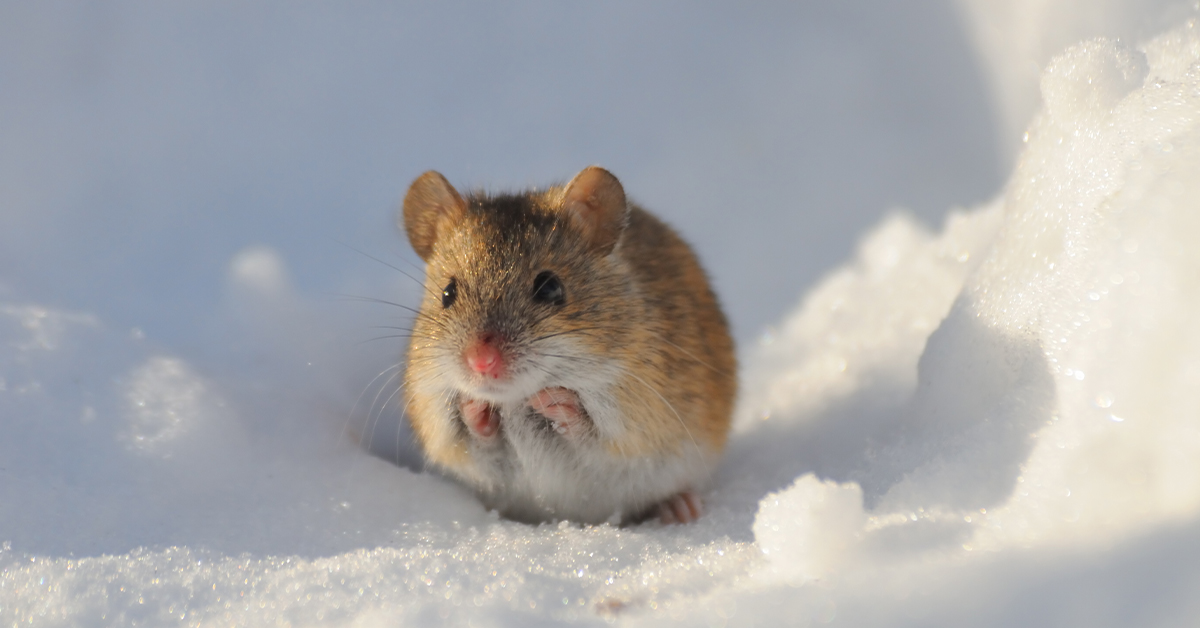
(677, 417)
(350, 415)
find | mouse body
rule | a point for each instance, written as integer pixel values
(569, 359)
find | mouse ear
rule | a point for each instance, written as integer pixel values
(595, 201)
(430, 201)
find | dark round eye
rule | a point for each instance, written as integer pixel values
(449, 293)
(548, 289)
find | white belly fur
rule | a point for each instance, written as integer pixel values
(535, 474)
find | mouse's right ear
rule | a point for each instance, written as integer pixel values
(595, 201)
(431, 201)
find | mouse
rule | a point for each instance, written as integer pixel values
(569, 359)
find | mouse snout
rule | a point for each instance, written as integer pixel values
(483, 356)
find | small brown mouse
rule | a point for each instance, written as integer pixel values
(569, 359)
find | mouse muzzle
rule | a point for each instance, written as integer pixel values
(484, 358)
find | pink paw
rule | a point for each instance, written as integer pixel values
(562, 407)
(685, 507)
(481, 417)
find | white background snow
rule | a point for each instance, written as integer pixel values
(956, 241)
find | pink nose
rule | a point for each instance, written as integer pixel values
(484, 358)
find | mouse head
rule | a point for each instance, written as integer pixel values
(594, 202)
(511, 278)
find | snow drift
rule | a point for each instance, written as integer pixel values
(997, 422)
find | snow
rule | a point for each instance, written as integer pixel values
(991, 423)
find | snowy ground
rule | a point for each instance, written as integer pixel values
(988, 422)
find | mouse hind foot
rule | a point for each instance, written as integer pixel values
(685, 507)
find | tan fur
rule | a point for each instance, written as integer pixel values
(641, 333)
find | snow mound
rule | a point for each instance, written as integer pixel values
(996, 422)
(810, 529)
(1054, 406)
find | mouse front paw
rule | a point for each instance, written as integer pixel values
(563, 408)
(481, 418)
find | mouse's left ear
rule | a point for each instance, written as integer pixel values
(431, 201)
(595, 201)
